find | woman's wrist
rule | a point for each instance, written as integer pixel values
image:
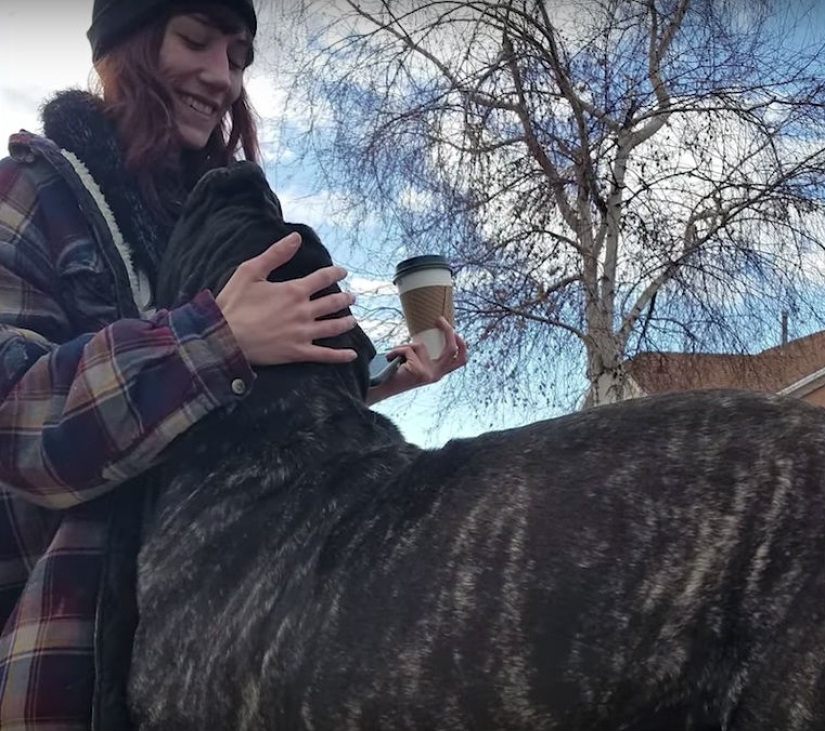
(380, 392)
(393, 387)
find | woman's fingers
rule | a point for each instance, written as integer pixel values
(331, 303)
(332, 327)
(321, 279)
(461, 355)
(278, 254)
(276, 322)
(450, 349)
(320, 354)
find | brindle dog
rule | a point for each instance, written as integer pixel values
(656, 564)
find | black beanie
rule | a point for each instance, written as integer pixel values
(115, 20)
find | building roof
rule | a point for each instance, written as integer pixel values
(771, 370)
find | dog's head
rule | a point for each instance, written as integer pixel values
(232, 215)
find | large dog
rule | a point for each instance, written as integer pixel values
(656, 564)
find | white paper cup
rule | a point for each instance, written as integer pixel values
(425, 286)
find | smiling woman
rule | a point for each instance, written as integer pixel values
(204, 67)
(189, 66)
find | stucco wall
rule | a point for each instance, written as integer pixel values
(817, 396)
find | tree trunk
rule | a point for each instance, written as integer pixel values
(606, 373)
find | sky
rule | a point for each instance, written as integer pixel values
(43, 49)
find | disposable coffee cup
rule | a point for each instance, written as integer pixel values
(425, 286)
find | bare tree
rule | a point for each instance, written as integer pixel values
(605, 175)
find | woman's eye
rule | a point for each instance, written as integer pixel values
(195, 45)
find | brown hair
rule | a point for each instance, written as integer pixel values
(139, 101)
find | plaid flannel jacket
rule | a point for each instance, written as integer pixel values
(88, 399)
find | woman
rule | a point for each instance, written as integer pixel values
(93, 383)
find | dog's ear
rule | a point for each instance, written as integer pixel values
(230, 216)
(311, 255)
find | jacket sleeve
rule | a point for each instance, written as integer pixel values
(80, 415)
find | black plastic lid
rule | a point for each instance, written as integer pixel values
(428, 261)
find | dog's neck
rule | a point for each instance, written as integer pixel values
(301, 396)
(288, 403)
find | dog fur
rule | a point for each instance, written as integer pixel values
(656, 564)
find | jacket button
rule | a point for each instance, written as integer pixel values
(238, 387)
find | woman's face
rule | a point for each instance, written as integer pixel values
(204, 67)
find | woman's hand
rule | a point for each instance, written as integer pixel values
(276, 322)
(419, 369)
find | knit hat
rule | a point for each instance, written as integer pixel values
(114, 20)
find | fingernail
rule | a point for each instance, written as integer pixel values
(294, 238)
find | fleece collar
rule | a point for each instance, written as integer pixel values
(74, 121)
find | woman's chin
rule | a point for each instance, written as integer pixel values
(192, 138)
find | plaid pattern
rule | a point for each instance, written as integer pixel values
(87, 401)
(47, 648)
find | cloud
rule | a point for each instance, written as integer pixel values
(19, 112)
(383, 333)
(378, 310)
(313, 209)
(43, 48)
(366, 286)
(273, 102)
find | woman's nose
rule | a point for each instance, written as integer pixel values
(216, 71)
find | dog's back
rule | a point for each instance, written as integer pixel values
(581, 573)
